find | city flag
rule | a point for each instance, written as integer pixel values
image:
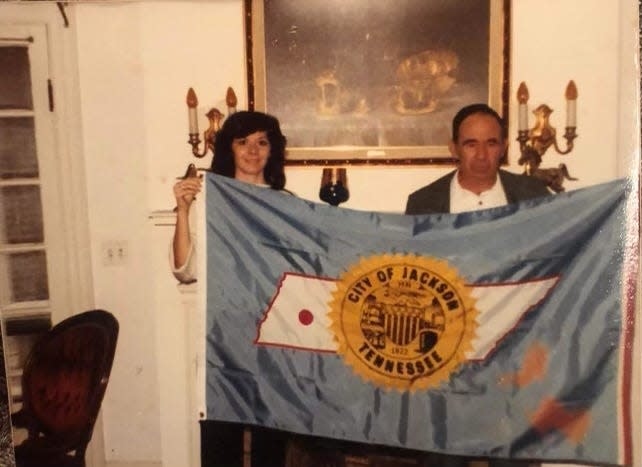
(504, 332)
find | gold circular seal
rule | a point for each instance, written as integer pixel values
(403, 321)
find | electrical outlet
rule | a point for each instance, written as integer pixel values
(115, 253)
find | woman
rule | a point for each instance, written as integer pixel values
(249, 147)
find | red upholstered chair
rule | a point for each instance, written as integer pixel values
(63, 385)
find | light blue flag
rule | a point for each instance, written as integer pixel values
(504, 332)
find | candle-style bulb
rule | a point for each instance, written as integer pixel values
(192, 100)
(571, 91)
(522, 93)
(522, 98)
(571, 104)
(230, 98)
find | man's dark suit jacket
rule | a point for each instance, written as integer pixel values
(435, 198)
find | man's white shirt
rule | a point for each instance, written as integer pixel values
(462, 200)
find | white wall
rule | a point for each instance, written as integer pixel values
(112, 94)
(572, 41)
(136, 62)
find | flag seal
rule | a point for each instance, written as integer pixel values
(403, 321)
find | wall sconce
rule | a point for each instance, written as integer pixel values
(334, 186)
(215, 118)
(543, 135)
(534, 142)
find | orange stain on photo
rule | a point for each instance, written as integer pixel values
(553, 415)
(533, 367)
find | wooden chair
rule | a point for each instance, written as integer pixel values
(63, 383)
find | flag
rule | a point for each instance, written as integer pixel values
(504, 332)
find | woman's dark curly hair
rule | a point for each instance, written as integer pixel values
(240, 125)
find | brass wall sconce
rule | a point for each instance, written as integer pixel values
(334, 186)
(543, 135)
(215, 118)
(334, 181)
(534, 142)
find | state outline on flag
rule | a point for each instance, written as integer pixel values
(304, 324)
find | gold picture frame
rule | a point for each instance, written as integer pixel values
(364, 82)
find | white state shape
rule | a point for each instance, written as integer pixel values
(281, 325)
(500, 306)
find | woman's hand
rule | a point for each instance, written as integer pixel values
(185, 191)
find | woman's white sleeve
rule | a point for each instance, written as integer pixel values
(187, 272)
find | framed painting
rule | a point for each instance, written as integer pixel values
(365, 82)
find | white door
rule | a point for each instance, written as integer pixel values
(32, 279)
(45, 266)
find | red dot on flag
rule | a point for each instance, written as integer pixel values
(306, 317)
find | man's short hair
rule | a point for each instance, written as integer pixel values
(465, 112)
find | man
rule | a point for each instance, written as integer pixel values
(478, 144)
